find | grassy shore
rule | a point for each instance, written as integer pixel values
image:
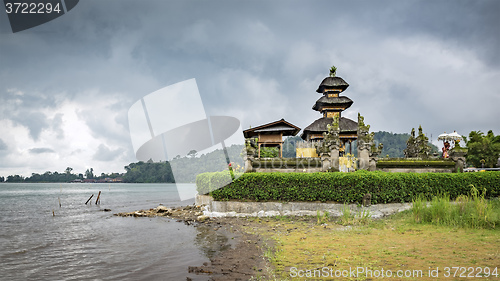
(402, 244)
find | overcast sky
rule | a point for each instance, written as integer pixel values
(66, 86)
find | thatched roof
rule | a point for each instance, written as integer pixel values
(342, 100)
(319, 126)
(276, 127)
(332, 83)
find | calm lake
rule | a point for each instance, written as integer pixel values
(82, 242)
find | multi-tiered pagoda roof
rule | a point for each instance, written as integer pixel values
(332, 104)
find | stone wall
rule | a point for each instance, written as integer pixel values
(214, 208)
(417, 170)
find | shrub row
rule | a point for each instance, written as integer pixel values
(207, 182)
(347, 187)
(415, 164)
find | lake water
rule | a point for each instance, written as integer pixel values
(82, 242)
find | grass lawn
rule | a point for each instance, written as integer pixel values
(397, 244)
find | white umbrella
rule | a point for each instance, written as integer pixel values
(443, 137)
(455, 136)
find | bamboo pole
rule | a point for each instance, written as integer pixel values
(89, 199)
(98, 197)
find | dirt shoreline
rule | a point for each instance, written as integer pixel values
(234, 253)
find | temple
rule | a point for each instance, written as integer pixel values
(332, 104)
(271, 134)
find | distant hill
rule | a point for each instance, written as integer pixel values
(395, 144)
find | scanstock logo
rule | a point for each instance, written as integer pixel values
(171, 123)
(25, 14)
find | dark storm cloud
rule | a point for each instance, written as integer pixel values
(40, 150)
(408, 63)
(25, 109)
(3, 145)
(34, 121)
(104, 153)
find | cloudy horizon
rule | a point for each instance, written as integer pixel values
(66, 86)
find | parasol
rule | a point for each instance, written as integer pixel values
(455, 136)
(443, 136)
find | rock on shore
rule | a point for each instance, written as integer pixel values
(187, 214)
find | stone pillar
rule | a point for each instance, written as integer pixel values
(248, 165)
(458, 156)
(363, 158)
(372, 165)
(365, 140)
(334, 159)
(325, 163)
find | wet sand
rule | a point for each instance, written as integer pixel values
(234, 254)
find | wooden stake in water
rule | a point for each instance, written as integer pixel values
(59, 201)
(53, 214)
(89, 199)
(98, 197)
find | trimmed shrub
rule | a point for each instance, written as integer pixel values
(415, 163)
(348, 187)
(207, 182)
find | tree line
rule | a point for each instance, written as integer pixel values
(482, 149)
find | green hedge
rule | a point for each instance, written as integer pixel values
(207, 182)
(349, 187)
(415, 164)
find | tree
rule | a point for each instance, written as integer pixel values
(417, 146)
(482, 146)
(192, 153)
(68, 170)
(269, 152)
(15, 178)
(89, 174)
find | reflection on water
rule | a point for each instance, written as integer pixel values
(211, 241)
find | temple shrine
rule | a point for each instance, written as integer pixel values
(271, 134)
(331, 104)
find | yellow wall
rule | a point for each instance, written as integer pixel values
(306, 152)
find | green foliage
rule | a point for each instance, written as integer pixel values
(322, 217)
(148, 172)
(208, 182)
(15, 178)
(468, 211)
(351, 187)
(417, 146)
(333, 71)
(269, 152)
(408, 163)
(289, 146)
(394, 144)
(482, 146)
(186, 168)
